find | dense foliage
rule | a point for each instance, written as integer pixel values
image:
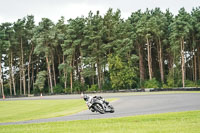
(97, 53)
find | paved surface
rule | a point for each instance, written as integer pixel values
(129, 105)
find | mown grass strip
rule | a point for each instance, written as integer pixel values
(21, 110)
(160, 93)
(181, 122)
(11, 111)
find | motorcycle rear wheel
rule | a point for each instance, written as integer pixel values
(99, 108)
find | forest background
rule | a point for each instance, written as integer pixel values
(150, 49)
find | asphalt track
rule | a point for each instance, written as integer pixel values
(128, 105)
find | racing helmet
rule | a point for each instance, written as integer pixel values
(85, 97)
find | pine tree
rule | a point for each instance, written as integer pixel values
(180, 32)
(19, 28)
(44, 36)
(72, 49)
(94, 32)
(138, 42)
(196, 37)
(2, 51)
(29, 31)
(159, 21)
(10, 46)
(61, 31)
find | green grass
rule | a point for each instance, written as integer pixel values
(181, 122)
(12, 111)
(159, 92)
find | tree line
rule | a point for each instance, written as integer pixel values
(100, 52)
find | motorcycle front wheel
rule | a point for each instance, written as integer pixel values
(111, 109)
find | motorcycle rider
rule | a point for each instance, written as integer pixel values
(88, 99)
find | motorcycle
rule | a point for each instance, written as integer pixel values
(98, 104)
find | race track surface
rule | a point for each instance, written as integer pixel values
(130, 105)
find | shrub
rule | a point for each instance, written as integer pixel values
(189, 83)
(107, 86)
(165, 86)
(67, 90)
(58, 89)
(36, 91)
(40, 80)
(198, 83)
(93, 88)
(122, 73)
(152, 84)
(170, 82)
(78, 87)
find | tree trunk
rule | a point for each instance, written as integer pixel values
(10, 85)
(160, 61)
(102, 76)
(49, 73)
(149, 59)
(141, 65)
(1, 78)
(0, 86)
(182, 62)
(32, 77)
(65, 74)
(81, 71)
(23, 69)
(195, 66)
(71, 78)
(29, 77)
(10, 76)
(59, 62)
(12, 73)
(20, 81)
(65, 77)
(78, 76)
(192, 65)
(71, 73)
(54, 73)
(99, 75)
(49, 86)
(198, 58)
(93, 76)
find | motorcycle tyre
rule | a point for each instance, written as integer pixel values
(111, 109)
(96, 107)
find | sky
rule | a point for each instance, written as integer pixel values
(11, 10)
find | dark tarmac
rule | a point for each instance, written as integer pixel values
(126, 105)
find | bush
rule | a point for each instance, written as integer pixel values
(170, 82)
(93, 88)
(36, 91)
(6, 89)
(67, 90)
(107, 86)
(165, 86)
(152, 84)
(198, 83)
(78, 87)
(189, 83)
(58, 88)
(122, 73)
(40, 80)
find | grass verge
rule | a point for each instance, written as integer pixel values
(181, 122)
(159, 93)
(12, 111)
